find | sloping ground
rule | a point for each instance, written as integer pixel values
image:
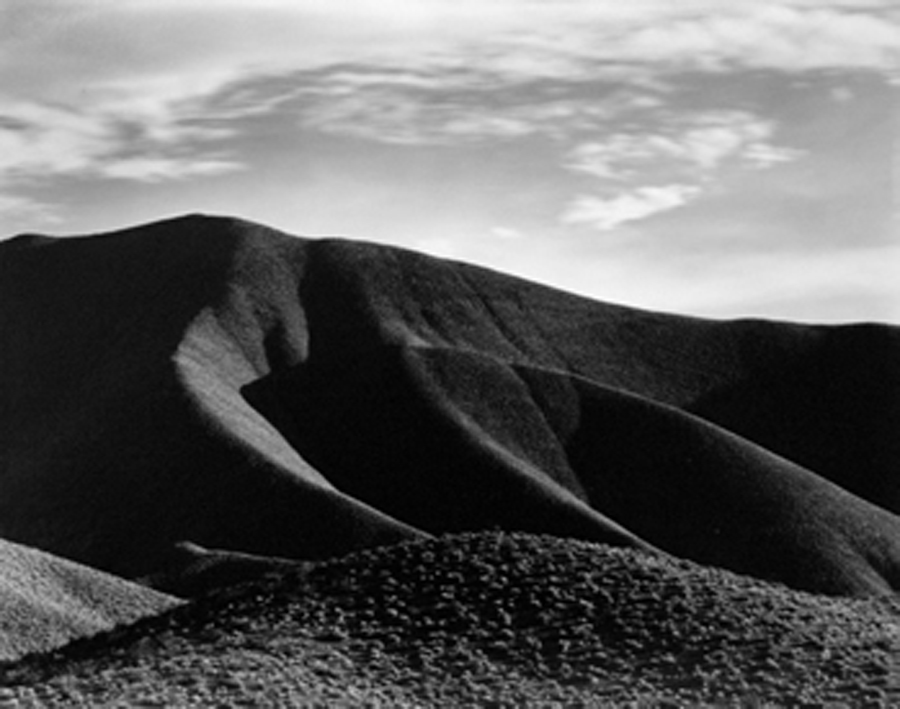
(212, 380)
(125, 430)
(46, 601)
(487, 619)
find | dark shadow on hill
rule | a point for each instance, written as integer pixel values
(449, 440)
(393, 395)
(834, 408)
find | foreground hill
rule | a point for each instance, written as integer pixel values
(212, 380)
(487, 620)
(46, 601)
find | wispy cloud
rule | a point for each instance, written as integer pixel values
(417, 53)
(602, 112)
(445, 84)
(695, 144)
(421, 109)
(781, 35)
(604, 214)
(158, 169)
(642, 173)
(429, 45)
(40, 140)
(36, 139)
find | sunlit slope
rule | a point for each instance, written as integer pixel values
(487, 619)
(47, 601)
(214, 380)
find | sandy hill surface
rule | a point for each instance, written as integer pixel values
(214, 381)
(487, 619)
(46, 601)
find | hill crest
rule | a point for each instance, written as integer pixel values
(213, 380)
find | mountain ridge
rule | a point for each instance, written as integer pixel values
(213, 380)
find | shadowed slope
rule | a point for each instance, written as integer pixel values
(722, 500)
(827, 397)
(218, 381)
(391, 431)
(452, 440)
(832, 405)
(196, 571)
(120, 440)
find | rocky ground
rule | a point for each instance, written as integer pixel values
(488, 619)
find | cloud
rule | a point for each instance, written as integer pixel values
(388, 116)
(696, 144)
(435, 68)
(130, 91)
(38, 141)
(158, 169)
(514, 39)
(423, 107)
(709, 35)
(505, 233)
(686, 156)
(436, 72)
(15, 208)
(766, 35)
(606, 214)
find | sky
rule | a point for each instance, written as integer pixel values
(721, 159)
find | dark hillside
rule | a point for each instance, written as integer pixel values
(213, 380)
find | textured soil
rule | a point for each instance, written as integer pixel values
(487, 619)
(46, 602)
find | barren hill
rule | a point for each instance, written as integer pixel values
(213, 380)
(46, 601)
(486, 620)
(390, 479)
